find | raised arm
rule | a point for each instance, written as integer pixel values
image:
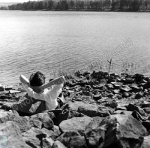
(56, 81)
(24, 80)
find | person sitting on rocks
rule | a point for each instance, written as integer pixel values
(37, 89)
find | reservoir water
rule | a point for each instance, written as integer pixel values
(52, 41)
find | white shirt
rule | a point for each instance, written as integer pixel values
(49, 95)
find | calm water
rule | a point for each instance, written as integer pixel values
(52, 41)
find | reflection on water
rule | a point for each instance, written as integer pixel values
(52, 41)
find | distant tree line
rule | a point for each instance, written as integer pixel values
(79, 5)
(3, 8)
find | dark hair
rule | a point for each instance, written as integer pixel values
(37, 79)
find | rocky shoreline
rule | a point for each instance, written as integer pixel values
(97, 110)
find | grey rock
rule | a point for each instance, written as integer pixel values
(122, 131)
(89, 110)
(45, 118)
(93, 134)
(47, 142)
(66, 138)
(33, 137)
(132, 107)
(58, 144)
(11, 135)
(146, 143)
(75, 124)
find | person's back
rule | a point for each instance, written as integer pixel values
(37, 88)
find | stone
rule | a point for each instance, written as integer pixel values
(109, 86)
(138, 78)
(88, 99)
(146, 143)
(147, 110)
(93, 134)
(112, 104)
(117, 96)
(52, 133)
(126, 112)
(66, 113)
(100, 86)
(146, 124)
(122, 131)
(121, 107)
(45, 119)
(138, 116)
(6, 116)
(2, 87)
(47, 142)
(132, 107)
(14, 91)
(105, 111)
(11, 135)
(116, 91)
(128, 80)
(75, 124)
(147, 85)
(77, 142)
(23, 123)
(117, 85)
(89, 110)
(118, 112)
(125, 88)
(33, 137)
(57, 131)
(139, 95)
(72, 139)
(135, 87)
(125, 94)
(58, 144)
(73, 113)
(8, 87)
(75, 105)
(97, 96)
(36, 123)
(145, 104)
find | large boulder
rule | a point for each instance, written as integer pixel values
(115, 131)
(10, 136)
(122, 131)
(75, 124)
(22, 122)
